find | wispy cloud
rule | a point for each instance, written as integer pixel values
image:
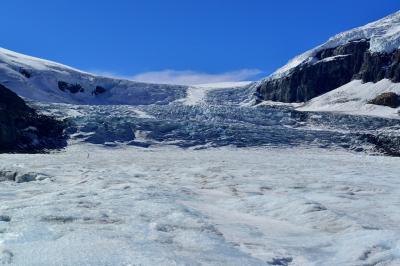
(193, 77)
(188, 77)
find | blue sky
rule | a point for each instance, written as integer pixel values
(158, 40)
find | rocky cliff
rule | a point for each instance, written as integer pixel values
(330, 69)
(23, 130)
(369, 53)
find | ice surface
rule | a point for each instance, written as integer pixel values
(196, 94)
(168, 206)
(218, 121)
(264, 185)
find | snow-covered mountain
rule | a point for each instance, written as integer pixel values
(370, 53)
(383, 35)
(342, 75)
(48, 81)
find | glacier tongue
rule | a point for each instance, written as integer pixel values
(221, 120)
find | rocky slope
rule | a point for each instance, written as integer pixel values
(23, 130)
(369, 53)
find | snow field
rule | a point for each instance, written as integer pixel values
(170, 206)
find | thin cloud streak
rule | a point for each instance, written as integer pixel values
(193, 78)
(188, 77)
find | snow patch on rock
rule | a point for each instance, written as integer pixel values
(353, 98)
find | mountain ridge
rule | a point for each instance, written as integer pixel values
(44, 80)
(369, 53)
(383, 33)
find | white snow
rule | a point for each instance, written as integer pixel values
(332, 58)
(11, 58)
(225, 85)
(384, 36)
(196, 94)
(169, 206)
(275, 103)
(353, 97)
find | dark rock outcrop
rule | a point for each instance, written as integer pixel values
(330, 69)
(25, 73)
(377, 66)
(23, 130)
(99, 90)
(389, 99)
(20, 176)
(72, 88)
(385, 144)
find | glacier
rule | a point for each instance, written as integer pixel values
(161, 174)
(96, 205)
(203, 180)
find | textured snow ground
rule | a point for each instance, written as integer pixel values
(224, 206)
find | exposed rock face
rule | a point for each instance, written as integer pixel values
(330, 69)
(390, 99)
(25, 73)
(72, 88)
(23, 130)
(21, 176)
(99, 90)
(378, 66)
